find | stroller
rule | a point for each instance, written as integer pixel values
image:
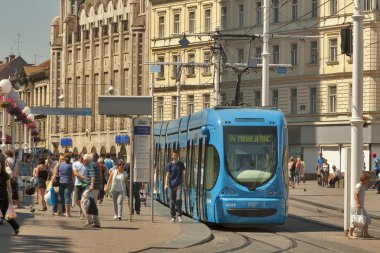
(30, 189)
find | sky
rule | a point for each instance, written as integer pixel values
(32, 20)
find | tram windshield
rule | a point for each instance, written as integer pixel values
(251, 154)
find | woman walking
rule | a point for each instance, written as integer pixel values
(357, 206)
(116, 184)
(42, 173)
(6, 196)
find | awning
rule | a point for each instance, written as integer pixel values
(8, 138)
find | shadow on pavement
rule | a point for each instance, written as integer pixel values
(35, 244)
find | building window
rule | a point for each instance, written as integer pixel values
(294, 9)
(240, 55)
(126, 43)
(87, 53)
(175, 67)
(191, 69)
(224, 17)
(160, 108)
(161, 74)
(206, 101)
(192, 22)
(333, 50)
(333, 7)
(293, 101)
(293, 54)
(106, 47)
(161, 26)
(69, 56)
(190, 104)
(241, 15)
(275, 98)
(79, 54)
(174, 107)
(207, 20)
(276, 11)
(313, 100)
(367, 5)
(176, 24)
(116, 47)
(257, 101)
(332, 99)
(96, 51)
(276, 54)
(206, 60)
(313, 52)
(259, 17)
(314, 8)
(258, 55)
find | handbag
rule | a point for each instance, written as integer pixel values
(92, 209)
(56, 181)
(358, 220)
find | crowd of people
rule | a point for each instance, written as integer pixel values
(65, 181)
(297, 169)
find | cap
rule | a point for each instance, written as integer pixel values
(373, 155)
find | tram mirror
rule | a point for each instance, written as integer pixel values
(205, 130)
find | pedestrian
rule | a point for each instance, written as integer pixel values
(336, 173)
(376, 164)
(117, 185)
(325, 172)
(42, 175)
(298, 171)
(92, 188)
(175, 178)
(357, 207)
(80, 173)
(319, 169)
(303, 170)
(66, 183)
(55, 210)
(108, 162)
(292, 171)
(13, 170)
(6, 196)
(103, 173)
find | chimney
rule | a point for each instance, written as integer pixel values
(11, 57)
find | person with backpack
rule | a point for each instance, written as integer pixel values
(109, 163)
(292, 171)
(175, 178)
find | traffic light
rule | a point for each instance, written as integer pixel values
(346, 41)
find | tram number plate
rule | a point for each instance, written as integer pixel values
(252, 204)
(230, 204)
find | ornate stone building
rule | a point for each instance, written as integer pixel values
(97, 48)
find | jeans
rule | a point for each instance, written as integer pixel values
(65, 191)
(55, 206)
(175, 200)
(297, 177)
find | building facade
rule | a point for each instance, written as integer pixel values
(315, 92)
(97, 48)
(180, 75)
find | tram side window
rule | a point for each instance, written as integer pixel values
(285, 160)
(212, 167)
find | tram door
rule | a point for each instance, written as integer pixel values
(195, 179)
(201, 188)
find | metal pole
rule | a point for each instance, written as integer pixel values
(217, 67)
(265, 56)
(3, 138)
(20, 140)
(152, 149)
(25, 138)
(178, 84)
(13, 132)
(357, 97)
(131, 170)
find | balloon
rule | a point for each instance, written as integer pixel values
(26, 110)
(30, 116)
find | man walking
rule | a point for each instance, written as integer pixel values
(175, 177)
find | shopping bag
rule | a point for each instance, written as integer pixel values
(92, 209)
(47, 197)
(101, 194)
(11, 213)
(53, 200)
(358, 220)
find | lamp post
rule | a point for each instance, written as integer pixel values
(31, 118)
(26, 111)
(5, 88)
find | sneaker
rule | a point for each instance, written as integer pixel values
(179, 218)
(87, 224)
(115, 217)
(119, 218)
(17, 230)
(138, 212)
(96, 225)
(172, 220)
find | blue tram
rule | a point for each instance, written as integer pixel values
(236, 164)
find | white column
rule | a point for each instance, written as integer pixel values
(357, 97)
(265, 56)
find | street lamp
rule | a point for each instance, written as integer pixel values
(26, 111)
(5, 88)
(31, 118)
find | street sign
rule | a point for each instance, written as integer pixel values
(141, 149)
(125, 105)
(184, 42)
(282, 70)
(155, 68)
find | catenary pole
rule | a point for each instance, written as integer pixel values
(357, 98)
(265, 56)
(152, 169)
